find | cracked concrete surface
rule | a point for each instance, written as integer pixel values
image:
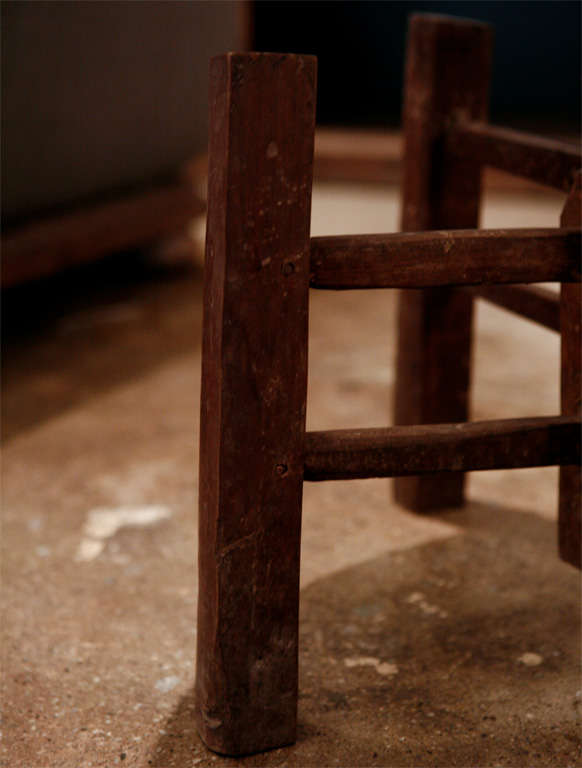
(426, 641)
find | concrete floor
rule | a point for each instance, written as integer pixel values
(449, 641)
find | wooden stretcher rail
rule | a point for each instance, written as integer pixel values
(547, 161)
(531, 301)
(424, 449)
(439, 258)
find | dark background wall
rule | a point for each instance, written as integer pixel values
(361, 45)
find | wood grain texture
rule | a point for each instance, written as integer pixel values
(541, 305)
(399, 451)
(446, 78)
(44, 246)
(546, 161)
(570, 504)
(455, 257)
(254, 381)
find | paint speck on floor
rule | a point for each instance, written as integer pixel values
(34, 524)
(166, 684)
(382, 667)
(43, 551)
(531, 659)
(89, 549)
(104, 522)
(417, 598)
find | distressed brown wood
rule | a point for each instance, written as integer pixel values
(348, 454)
(44, 246)
(570, 504)
(541, 305)
(254, 382)
(455, 257)
(447, 77)
(546, 161)
(254, 453)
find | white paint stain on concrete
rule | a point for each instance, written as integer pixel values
(417, 598)
(382, 667)
(531, 659)
(104, 522)
(34, 524)
(43, 551)
(166, 684)
(89, 549)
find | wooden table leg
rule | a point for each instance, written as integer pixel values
(570, 505)
(447, 76)
(254, 382)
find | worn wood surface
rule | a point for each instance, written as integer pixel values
(254, 379)
(347, 454)
(546, 161)
(447, 77)
(541, 305)
(455, 257)
(570, 505)
(44, 246)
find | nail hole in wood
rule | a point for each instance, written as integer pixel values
(288, 268)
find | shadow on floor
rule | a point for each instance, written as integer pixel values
(77, 334)
(464, 651)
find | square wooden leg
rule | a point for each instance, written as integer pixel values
(254, 382)
(447, 75)
(570, 505)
